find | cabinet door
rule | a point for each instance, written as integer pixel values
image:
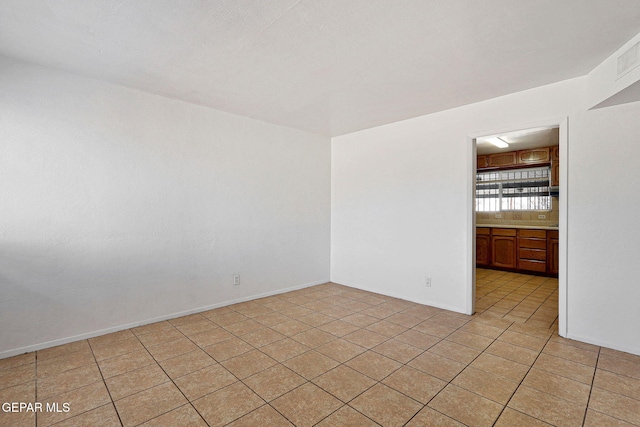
(555, 153)
(503, 159)
(535, 155)
(503, 251)
(483, 162)
(555, 173)
(483, 250)
(552, 256)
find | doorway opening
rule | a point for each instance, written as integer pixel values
(519, 224)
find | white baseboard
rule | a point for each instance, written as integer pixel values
(606, 344)
(66, 340)
(403, 297)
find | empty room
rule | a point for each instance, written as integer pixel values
(314, 212)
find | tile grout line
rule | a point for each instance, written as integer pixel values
(170, 379)
(136, 369)
(520, 383)
(237, 378)
(448, 382)
(593, 380)
(516, 285)
(343, 363)
(85, 385)
(113, 403)
(307, 381)
(310, 381)
(36, 383)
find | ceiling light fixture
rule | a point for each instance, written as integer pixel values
(498, 142)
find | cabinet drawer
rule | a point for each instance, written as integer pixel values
(531, 265)
(504, 231)
(537, 254)
(532, 243)
(483, 231)
(539, 234)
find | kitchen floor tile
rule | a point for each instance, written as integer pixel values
(437, 366)
(415, 384)
(432, 418)
(263, 416)
(227, 404)
(397, 350)
(344, 383)
(306, 405)
(373, 365)
(347, 416)
(486, 384)
(386, 406)
(204, 381)
(274, 382)
(615, 405)
(310, 364)
(546, 407)
(248, 363)
(183, 416)
(466, 407)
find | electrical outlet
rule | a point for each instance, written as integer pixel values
(427, 282)
(236, 279)
(498, 215)
(542, 217)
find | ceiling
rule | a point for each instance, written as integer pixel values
(521, 140)
(324, 66)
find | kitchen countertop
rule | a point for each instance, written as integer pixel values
(526, 227)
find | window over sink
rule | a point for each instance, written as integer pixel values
(526, 189)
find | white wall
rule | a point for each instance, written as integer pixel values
(401, 207)
(118, 207)
(400, 195)
(605, 87)
(604, 227)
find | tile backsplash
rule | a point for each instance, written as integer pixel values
(521, 217)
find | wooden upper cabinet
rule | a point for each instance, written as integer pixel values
(483, 162)
(535, 155)
(555, 173)
(555, 166)
(503, 159)
(508, 159)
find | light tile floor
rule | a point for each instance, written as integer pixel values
(330, 355)
(519, 297)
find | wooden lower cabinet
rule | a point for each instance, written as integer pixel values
(532, 250)
(483, 247)
(553, 253)
(525, 250)
(504, 251)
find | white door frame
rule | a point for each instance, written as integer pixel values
(562, 123)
